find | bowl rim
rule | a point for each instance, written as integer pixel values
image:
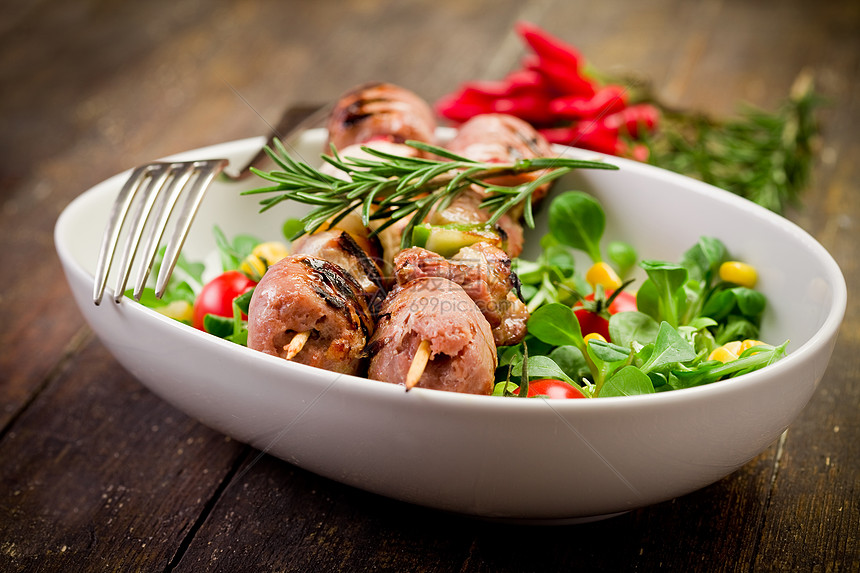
(827, 331)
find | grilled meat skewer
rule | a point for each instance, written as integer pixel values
(380, 111)
(484, 273)
(309, 297)
(339, 247)
(441, 323)
(436, 313)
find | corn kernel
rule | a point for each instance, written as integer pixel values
(178, 310)
(593, 336)
(271, 252)
(749, 343)
(735, 347)
(723, 354)
(261, 258)
(602, 274)
(739, 273)
(253, 267)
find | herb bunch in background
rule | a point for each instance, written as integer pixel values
(762, 156)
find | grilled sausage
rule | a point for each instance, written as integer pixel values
(484, 273)
(436, 310)
(339, 247)
(303, 294)
(500, 138)
(380, 110)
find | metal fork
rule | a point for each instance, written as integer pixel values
(148, 199)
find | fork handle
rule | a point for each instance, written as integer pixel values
(294, 120)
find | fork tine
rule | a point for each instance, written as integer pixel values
(142, 212)
(178, 176)
(206, 172)
(110, 239)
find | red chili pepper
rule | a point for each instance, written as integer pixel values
(634, 118)
(587, 134)
(526, 99)
(607, 100)
(547, 46)
(531, 108)
(551, 90)
(526, 81)
(561, 135)
(458, 110)
(469, 94)
(484, 89)
(597, 136)
(571, 107)
(565, 79)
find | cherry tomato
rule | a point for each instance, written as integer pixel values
(552, 388)
(592, 322)
(623, 302)
(594, 317)
(218, 294)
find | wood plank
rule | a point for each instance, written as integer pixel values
(283, 518)
(56, 144)
(813, 511)
(100, 475)
(81, 464)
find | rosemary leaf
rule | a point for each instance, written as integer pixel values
(438, 151)
(390, 188)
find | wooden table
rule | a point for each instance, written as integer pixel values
(98, 474)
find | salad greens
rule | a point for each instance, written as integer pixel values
(234, 329)
(182, 289)
(188, 281)
(233, 252)
(665, 337)
(684, 312)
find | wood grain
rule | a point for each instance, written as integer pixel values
(98, 474)
(118, 477)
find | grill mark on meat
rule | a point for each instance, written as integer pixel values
(517, 285)
(531, 142)
(342, 283)
(344, 286)
(374, 346)
(355, 111)
(330, 300)
(340, 248)
(352, 118)
(503, 236)
(370, 268)
(514, 154)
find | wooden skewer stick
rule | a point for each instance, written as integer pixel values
(296, 344)
(419, 363)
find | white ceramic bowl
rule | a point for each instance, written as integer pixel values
(529, 460)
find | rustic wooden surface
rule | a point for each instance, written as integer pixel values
(98, 474)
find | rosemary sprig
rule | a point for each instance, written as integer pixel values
(389, 187)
